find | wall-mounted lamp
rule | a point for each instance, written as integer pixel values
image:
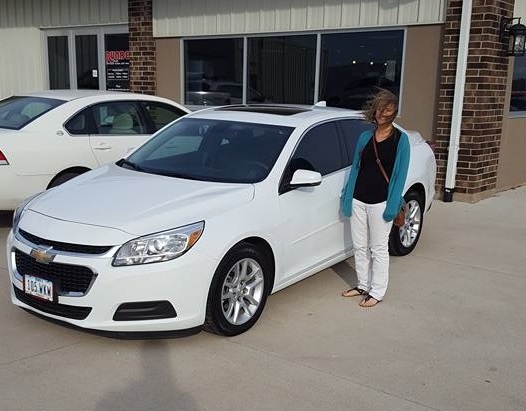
(515, 34)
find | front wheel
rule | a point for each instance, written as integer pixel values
(238, 292)
(403, 240)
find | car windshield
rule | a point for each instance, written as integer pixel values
(211, 150)
(16, 112)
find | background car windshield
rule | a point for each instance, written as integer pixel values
(213, 150)
(16, 112)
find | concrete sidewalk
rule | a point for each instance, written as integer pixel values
(449, 336)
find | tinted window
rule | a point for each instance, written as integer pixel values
(209, 63)
(118, 117)
(80, 123)
(282, 69)
(161, 114)
(16, 112)
(354, 64)
(213, 150)
(351, 131)
(319, 150)
(518, 85)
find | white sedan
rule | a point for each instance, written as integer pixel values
(50, 137)
(200, 224)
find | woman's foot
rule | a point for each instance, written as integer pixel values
(354, 292)
(369, 301)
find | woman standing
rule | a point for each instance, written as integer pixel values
(372, 200)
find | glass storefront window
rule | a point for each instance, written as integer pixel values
(353, 64)
(58, 60)
(281, 69)
(214, 71)
(518, 85)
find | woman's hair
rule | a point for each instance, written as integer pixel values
(381, 99)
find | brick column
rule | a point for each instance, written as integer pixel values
(142, 47)
(484, 98)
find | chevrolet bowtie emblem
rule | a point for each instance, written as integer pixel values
(42, 255)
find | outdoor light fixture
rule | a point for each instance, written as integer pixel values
(516, 35)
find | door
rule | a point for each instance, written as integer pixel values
(87, 61)
(312, 228)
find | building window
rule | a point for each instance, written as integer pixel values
(214, 71)
(281, 69)
(284, 69)
(518, 85)
(353, 64)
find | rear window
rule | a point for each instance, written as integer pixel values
(16, 112)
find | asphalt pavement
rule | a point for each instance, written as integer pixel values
(450, 335)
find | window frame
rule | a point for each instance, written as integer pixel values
(318, 33)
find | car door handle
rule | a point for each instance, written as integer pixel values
(102, 147)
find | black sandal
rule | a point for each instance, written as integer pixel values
(364, 303)
(358, 290)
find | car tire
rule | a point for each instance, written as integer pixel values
(62, 178)
(403, 240)
(238, 291)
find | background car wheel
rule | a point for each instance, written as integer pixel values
(62, 178)
(238, 292)
(402, 240)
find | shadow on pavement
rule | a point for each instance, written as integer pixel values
(6, 218)
(346, 272)
(155, 389)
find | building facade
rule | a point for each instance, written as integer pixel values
(445, 59)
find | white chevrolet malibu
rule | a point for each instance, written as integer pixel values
(196, 227)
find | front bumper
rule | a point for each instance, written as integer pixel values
(183, 283)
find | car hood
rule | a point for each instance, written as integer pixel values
(138, 203)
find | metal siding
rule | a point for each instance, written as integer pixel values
(196, 17)
(21, 60)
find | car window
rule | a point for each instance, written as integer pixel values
(16, 112)
(213, 150)
(80, 123)
(351, 131)
(118, 117)
(318, 150)
(161, 114)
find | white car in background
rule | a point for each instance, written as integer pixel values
(200, 224)
(50, 137)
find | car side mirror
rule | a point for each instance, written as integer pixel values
(305, 178)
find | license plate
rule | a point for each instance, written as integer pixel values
(38, 287)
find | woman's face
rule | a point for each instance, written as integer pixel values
(385, 115)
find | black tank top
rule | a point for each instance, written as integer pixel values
(371, 187)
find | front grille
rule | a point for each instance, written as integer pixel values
(71, 248)
(61, 310)
(69, 278)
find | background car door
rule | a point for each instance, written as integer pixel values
(119, 128)
(311, 226)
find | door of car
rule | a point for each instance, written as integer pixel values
(311, 226)
(119, 127)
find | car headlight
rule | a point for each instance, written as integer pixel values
(19, 211)
(163, 246)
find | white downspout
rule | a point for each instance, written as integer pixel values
(458, 101)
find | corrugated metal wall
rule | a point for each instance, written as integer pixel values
(212, 17)
(21, 41)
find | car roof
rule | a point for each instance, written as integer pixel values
(279, 114)
(69, 95)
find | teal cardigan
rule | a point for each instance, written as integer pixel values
(396, 182)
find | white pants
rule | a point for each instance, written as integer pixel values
(370, 237)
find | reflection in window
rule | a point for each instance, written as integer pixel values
(281, 69)
(353, 64)
(518, 85)
(214, 71)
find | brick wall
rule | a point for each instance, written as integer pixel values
(142, 47)
(484, 98)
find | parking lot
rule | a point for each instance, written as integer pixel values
(450, 335)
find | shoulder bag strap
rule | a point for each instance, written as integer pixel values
(378, 160)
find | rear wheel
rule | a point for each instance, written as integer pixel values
(238, 292)
(403, 240)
